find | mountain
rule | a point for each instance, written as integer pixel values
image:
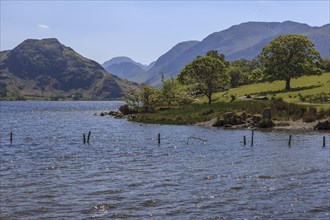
(118, 60)
(245, 40)
(126, 68)
(170, 62)
(46, 69)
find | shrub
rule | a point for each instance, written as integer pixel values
(207, 112)
(126, 110)
(323, 114)
(310, 115)
(233, 97)
(301, 97)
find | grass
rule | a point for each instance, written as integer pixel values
(303, 88)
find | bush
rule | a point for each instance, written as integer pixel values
(126, 110)
(233, 97)
(323, 113)
(207, 112)
(301, 97)
(310, 115)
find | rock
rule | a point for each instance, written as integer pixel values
(219, 122)
(261, 122)
(260, 98)
(248, 97)
(266, 113)
(119, 115)
(229, 118)
(266, 123)
(113, 113)
(256, 119)
(322, 125)
(244, 116)
(102, 114)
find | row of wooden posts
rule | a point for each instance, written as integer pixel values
(252, 139)
(244, 138)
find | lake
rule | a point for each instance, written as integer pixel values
(47, 172)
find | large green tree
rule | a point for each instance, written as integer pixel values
(206, 74)
(289, 56)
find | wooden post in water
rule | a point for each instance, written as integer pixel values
(158, 138)
(89, 135)
(290, 140)
(244, 140)
(323, 141)
(84, 138)
(252, 137)
(11, 137)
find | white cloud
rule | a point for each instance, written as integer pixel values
(42, 26)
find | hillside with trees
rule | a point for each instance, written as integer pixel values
(210, 86)
(243, 41)
(46, 69)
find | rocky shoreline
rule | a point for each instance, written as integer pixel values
(242, 121)
(278, 125)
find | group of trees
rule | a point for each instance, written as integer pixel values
(172, 93)
(284, 58)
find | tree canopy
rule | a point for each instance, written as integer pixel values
(206, 74)
(289, 56)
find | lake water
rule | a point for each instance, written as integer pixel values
(195, 173)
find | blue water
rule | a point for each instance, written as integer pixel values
(195, 173)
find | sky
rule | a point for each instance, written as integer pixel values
(141, 30)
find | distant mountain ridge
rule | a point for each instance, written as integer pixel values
(126, 68)
(122, 59)
(245, 40)
(47, 69)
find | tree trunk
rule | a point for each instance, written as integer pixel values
(209, 96)
(287, 84)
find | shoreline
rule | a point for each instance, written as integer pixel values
(298, 125)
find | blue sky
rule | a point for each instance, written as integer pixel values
(142, 30)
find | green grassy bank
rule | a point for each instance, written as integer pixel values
(313, 90)
(308, 100)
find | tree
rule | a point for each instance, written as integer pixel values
(221, 57)
(235, 75)
(289, 56)
(256, 76)
(247, 68)
(206, 74)
(173, 93)
(325, 64)
(148, 96)
(132, 98)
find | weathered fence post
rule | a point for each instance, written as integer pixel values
(11, 137)
(244, 140)
(323, 141)
(84, 138)
(158, 138)
(252, 137)
(290, 140)
(89, 134)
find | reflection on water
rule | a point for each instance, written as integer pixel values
(47, 172)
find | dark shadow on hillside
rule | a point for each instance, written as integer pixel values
(284, 91)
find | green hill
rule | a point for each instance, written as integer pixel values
(305, 90)
(47, 70)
